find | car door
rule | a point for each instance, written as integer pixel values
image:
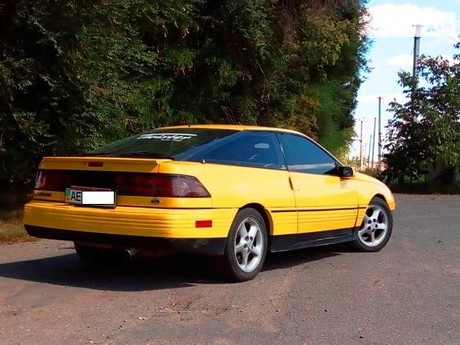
(252, 163)
(324, 201)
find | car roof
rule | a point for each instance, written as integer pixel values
(234, 127)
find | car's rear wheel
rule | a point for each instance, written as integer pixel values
(246, 246)
(375, 231)
(95, 256)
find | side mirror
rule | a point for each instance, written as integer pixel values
(345, 171)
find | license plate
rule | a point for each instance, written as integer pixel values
(90, 197)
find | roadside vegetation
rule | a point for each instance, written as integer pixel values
(77, 74)
(424, 135)
(11, 212)
(11, 227)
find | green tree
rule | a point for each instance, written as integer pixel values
(426, 129)
(76, 74)
(73, 75)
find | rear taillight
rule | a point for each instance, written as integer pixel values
(125, 183)
(52, 180)
(179, 186)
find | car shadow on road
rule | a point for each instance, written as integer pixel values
(302, 256)
(143, 274)
(69, 270)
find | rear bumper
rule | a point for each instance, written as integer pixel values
(128, 225)
(208, 246)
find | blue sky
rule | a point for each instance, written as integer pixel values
(392, 32)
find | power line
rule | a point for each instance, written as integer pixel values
(456, 40)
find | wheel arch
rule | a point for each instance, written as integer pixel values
(265, 215)
(380, 196)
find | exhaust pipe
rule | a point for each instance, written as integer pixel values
(130, 252)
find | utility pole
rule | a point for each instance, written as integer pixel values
(361, 158)
(417, 36)
(369, 152)
(364, 156)
(379, 156)
(373, 144)
(418, 28)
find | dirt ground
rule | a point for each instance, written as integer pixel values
(409, 293)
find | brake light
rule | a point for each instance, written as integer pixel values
(52, 180)
(160, 185)
(95, 164)
(125, 183)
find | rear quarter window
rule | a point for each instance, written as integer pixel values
(248, 148)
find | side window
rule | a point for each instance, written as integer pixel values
(303, 155)
(257, 149)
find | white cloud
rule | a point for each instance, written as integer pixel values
(390, 20)
(401, 61)
(368, 99)
(405, 62)
(370, 103)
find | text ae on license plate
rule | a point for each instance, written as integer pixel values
(89, 196)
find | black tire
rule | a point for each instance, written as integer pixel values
(375, 231)
(246, 246)
(96, 256)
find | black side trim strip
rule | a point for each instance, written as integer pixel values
(311, 239)
(319, 209)
(208, 246)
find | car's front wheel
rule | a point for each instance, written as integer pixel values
(246, 246)
(376, 227)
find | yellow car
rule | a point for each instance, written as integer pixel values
(235, 192)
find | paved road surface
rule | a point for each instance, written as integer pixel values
(409, 293)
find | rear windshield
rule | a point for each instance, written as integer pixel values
(164, 143)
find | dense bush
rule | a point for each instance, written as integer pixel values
(76, 74)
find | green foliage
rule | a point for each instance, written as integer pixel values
(426, 129)
(334, 117)
(76, 74)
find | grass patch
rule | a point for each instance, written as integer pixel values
(11, 227)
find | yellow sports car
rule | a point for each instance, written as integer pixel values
(235, 192)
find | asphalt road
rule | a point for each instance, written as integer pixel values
(409, 293)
